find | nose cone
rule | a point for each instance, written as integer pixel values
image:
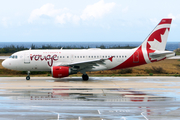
(4, 64)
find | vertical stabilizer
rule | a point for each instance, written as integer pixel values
(158, 37)
(156, 41)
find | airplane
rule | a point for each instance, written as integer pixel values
(63, 63)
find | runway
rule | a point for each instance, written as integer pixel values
(100, 98)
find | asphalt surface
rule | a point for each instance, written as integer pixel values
(100, 98)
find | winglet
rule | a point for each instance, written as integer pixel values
(111, 58)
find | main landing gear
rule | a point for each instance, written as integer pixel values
(28, 75)
(85, 77)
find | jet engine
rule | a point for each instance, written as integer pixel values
(60, 71)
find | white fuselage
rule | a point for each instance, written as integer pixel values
(43, 60)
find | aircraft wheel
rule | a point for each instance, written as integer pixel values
(27, 77)
(85, 77)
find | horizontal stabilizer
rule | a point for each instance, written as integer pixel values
(159, 54)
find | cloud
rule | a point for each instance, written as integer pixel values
(63, 16)
(46, 10)
(97, 10)
(5, 21)
(76, 19)
(174, 17)
(125, 9)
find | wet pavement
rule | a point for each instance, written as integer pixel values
(100, 98)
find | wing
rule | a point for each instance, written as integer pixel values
(86, 64)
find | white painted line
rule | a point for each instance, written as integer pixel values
(123, 118)
(144, 116)
(48, 111)
(99, 112)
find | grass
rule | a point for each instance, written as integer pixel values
(6, 54)
(168, 67)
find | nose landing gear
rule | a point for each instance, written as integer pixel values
(28, 75)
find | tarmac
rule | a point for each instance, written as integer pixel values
(100, 98)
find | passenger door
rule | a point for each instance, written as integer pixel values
(27, 58)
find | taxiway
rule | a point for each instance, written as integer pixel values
(100, 98)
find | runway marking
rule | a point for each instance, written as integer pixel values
(48, 111)
(103, 92)
(123, 118)
(99, 112)
(144, 116)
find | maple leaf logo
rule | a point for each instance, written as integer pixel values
(157, 42)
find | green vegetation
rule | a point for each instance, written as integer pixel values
(177, 51)
(151, 74)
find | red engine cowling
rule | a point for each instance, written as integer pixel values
(60, 71)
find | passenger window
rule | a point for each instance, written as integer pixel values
(83, 56)
(80, 56)
(60, 56)
(67, 56)
(105, 56)
(63, 56)
(122, 56)
(91, 56)
(77, 56)
(97, 56)
(119, 56)
(74, 56)
(94, 56)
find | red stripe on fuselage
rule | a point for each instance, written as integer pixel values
(130, 62)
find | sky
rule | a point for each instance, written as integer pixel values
(85, 20)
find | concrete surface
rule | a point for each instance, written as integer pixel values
(100, 98)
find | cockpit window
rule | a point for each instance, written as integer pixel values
(13, 56)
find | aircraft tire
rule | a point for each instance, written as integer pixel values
(27, 77)
(85, 77)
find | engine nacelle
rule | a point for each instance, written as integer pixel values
(60, 71)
